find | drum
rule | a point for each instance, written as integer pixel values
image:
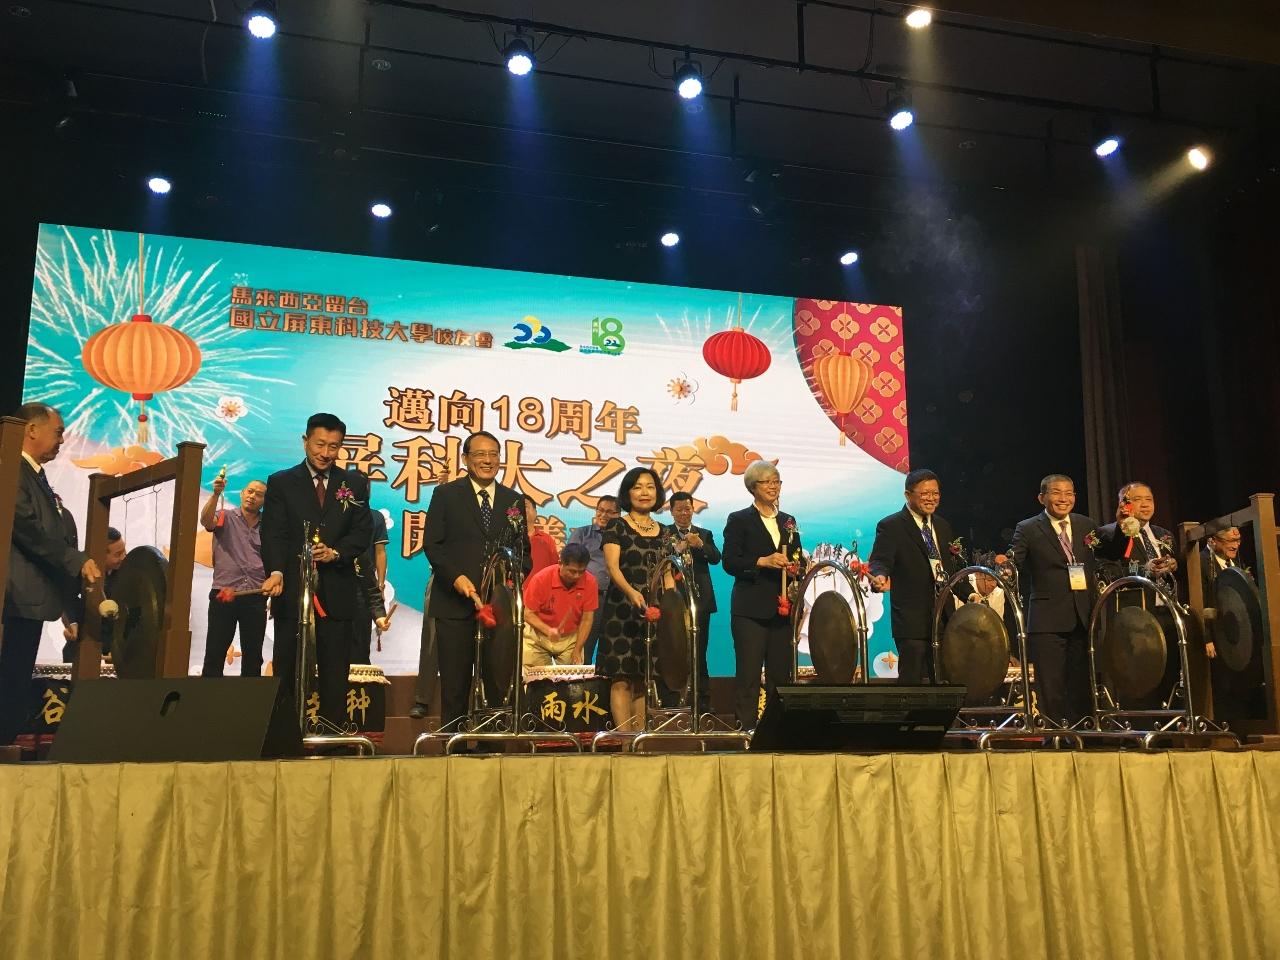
(568, 697)
(50, 691)
(366, 705)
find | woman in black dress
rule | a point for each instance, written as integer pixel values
(633, 547)
(759, 542)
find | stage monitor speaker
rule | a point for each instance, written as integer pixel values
(188, 718)
(862, 717)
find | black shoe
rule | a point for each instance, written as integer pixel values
(418, 711)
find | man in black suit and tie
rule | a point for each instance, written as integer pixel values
(45, 566)
(1057, 572)
(700, 546)
(335, 502)
(1134, 534)
(1134, 539)
(468, 519)
(912, 551)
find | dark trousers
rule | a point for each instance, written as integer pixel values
(1062, 673)
(428, 661)
(756, 644)
(915, 660)
(18, 651)
(246, 614)
(456, 650)
(673, 698)
(333, 664)
(593, 638)
(362, 639)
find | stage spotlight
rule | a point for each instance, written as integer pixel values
(670, 238)
(261, 19)
(848, 258)
(1106, 146)
(1199, 157)
(688, 80)
(519, 55)
(919, 18)
(380, 210)
(899, 109)
(159, 185)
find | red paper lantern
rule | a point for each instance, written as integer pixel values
(737, 355)
(142, 359)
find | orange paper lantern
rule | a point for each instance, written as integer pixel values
(843, 380)
(141, 358)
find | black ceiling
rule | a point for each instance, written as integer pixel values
(413, 97)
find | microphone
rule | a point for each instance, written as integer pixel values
(108, 609)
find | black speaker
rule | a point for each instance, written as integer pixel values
(188, 718)
(858, 717)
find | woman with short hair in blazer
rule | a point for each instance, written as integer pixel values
(759, 543)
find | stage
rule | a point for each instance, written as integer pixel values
(1048, 854)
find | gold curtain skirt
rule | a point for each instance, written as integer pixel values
(1046, 855)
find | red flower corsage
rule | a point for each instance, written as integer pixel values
(784, 606)
(652, 614)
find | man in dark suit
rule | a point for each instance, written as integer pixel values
(1134, 533)
(468, 519)
(72, 619)
(1057, 572)
(1151, 548)
(45, 567)
(335, 502)
(911, 553)
(699, 544)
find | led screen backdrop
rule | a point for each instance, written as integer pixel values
(580, 379)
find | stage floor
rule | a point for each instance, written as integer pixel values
(1047, 854)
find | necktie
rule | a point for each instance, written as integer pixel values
(44, 482)
(320, 488)
(1065, 541)
(930, 544)
(486, 508)
(1152, 550)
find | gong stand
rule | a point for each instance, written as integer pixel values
(500, 655)
(12, 431)
(1176, 720)
(673, 641)
(1260, 518)
(173, 650)
(973, 650)
(838, 629)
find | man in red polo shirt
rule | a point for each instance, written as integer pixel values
(559, 604)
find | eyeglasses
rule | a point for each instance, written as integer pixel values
(483, 455)
(769, 483)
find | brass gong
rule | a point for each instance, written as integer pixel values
(833, 638)
(671, 640)
(140, 588)
(974, 651)
(1237, 630)
(1131, 652)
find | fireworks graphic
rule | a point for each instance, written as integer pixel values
(776, 332)
(81, 288)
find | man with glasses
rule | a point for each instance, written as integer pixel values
(911, 554)
(591, 536)
(467, 520)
